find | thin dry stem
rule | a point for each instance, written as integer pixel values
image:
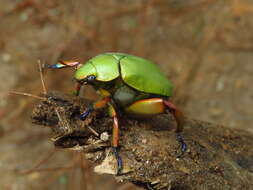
(42, 78)
(27, 94)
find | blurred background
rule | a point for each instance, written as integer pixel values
(204, 46)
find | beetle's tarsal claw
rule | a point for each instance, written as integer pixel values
(183, 145)
(119, 160)
(85, 114)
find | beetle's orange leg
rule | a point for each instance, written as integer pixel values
(96, 105)
(153, 106)
(115, 137)
(177, 114)
(180, 122)
(78, 88)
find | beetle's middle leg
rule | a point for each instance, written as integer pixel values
(154, 106)
(115, 137)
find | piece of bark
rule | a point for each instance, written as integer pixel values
(216, 158)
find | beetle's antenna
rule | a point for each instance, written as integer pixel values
(42, 78)
(74, 64)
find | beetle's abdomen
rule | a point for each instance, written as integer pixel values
(124, 96)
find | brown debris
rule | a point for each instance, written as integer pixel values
(217, 157)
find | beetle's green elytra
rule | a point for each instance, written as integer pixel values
(139, 73)
(144, 76)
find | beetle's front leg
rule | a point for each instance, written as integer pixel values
(96, 105)
(115, 138)
(78, 88)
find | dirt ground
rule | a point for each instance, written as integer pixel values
(204, 47)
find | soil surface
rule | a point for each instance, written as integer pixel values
(203, 46)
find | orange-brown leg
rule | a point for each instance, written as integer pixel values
(96, 105)
(180, 122)
(115, 137)
(153, 106)
(78, 88)
(177, 114)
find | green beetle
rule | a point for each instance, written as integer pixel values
(127, 83)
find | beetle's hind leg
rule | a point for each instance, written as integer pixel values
(152, 106)
(180, 123)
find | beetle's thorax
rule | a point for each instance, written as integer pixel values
(84, 71)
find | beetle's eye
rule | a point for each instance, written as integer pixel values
(91, 78)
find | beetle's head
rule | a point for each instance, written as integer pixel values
(86, 74)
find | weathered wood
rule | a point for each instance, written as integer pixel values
(217, 157)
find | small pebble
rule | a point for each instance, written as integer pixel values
(104, 136)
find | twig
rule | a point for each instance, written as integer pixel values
(149, 148)
(42, 78)
(27, 94)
